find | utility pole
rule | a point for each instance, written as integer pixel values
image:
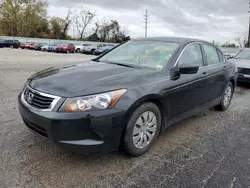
(146, 23)
(249, 29)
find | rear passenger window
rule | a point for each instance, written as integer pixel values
(211, 55)
(191, 55)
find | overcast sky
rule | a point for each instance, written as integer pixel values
(219, 20)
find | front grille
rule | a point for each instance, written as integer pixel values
(244, 70)
(37, 129)
(37, 100)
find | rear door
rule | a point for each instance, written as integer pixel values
(216, 72)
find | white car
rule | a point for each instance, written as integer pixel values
(44, 48)
(90, 48)
(79, 47)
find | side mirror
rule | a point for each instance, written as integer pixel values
(188, 69)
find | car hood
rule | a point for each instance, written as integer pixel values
(90, 78)
(244, 63)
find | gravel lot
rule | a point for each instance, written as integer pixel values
(209, 150)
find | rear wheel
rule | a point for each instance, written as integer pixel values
(227, 97)
(142, 129)
(77, 50)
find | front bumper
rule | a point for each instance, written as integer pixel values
(82, 132)
(243, 78)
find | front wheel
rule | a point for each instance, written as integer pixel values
(142, 129)
(227, 97)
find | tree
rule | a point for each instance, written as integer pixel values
(59, 27)
(238, 39)
(23, 17)
(94, 36)
(82, 19)
(227, 44)
(111, 32)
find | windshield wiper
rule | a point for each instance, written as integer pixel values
(96, 60)
(121, 64)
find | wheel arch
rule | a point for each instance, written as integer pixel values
(154, 98)
(233, 81)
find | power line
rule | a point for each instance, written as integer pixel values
(146, 23)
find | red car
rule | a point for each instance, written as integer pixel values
(25, 45)
(66, 47)
(32, 46)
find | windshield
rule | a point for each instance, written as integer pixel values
(151, 54)
(243, 55)
(64, 44)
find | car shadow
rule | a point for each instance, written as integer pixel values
(244, 85)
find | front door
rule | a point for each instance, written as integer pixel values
(187, 91)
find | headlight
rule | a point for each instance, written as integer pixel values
(93, 102)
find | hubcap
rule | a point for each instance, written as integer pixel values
(144, 129)
(227, 96)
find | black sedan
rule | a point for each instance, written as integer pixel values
(242, 61)
(127, 97)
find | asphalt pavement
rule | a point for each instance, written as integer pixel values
(211, 149)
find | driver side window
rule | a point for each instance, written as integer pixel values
(191, 55)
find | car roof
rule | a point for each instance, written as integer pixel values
(171, 39)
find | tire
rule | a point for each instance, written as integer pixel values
(92, 51)
(77, 50)
(129, 144)
(226, 100)
(67, 51)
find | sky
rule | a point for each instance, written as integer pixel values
(218, 20)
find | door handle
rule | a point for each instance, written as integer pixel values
(204, 73)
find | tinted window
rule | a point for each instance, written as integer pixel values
(211, 55)
(191, 55)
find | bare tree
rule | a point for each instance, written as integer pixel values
(238, 39)
(67, 22)
(82, 19)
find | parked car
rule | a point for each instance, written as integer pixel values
(25, 45)
(10, 44)
(242, 61)
(52, 47)
(39, 46)
(79, 47)
(102, 50)
(127, 97)
(66, 47)
(32, 46)
(45, 47)
(89, 49)
(230, 52)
